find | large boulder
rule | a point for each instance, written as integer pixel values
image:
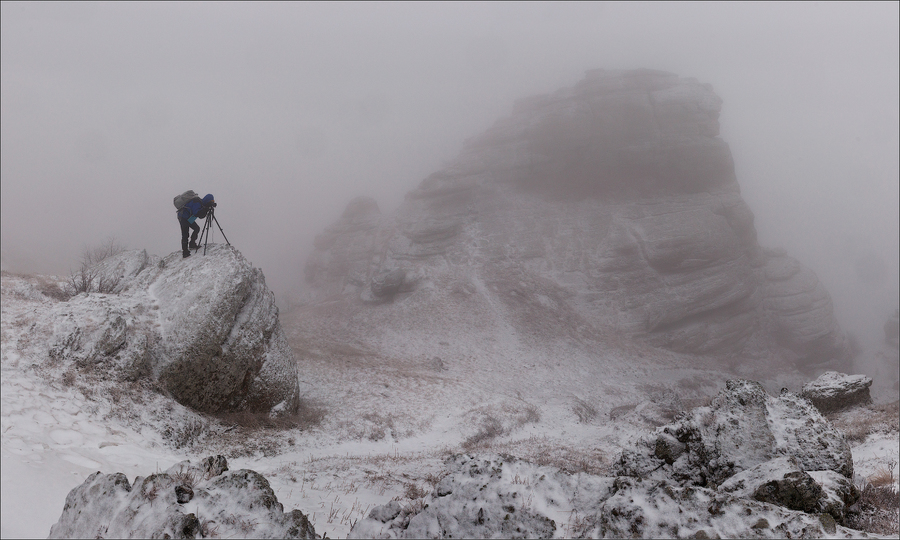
(186, 501)
(205, 328)
(833, 391)
(612, 205)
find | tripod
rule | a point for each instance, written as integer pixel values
(204, 235)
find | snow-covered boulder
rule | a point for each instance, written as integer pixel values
(742, 428)
(185, 501)
(833, 391)
(205, 328)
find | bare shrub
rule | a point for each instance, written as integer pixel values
(88, 278)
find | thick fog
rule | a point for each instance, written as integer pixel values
(285, 111)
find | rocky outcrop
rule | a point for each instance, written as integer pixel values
(833, 391)
(205, 328)
(186, 501)
(608, 206)
(748, 466)
(742, 428)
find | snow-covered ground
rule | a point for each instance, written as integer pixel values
(389, 421)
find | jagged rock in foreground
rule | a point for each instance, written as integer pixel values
(747, 466)
(610, 205)
(186, 501)
(206, 328)
(833, 391)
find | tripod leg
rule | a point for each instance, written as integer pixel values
(221, 231)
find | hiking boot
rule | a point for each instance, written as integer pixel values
(194, 245)
(185, 254)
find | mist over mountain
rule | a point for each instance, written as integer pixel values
(610, 208)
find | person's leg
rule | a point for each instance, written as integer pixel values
(184, 237)
(196, 229)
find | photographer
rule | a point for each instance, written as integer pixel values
(187, 215)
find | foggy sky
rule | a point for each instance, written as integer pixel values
(285, 111)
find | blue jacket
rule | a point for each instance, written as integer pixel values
(196, 208)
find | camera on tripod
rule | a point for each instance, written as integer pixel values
(204, 235)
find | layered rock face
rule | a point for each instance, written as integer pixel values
(205, 328)
(611, 205)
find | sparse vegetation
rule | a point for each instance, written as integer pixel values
(185, 434)
(51, 288)
(878, 510)
(490, 429)
(88, 278)
(584, 411)
(859, 424)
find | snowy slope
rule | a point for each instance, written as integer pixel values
(390, 418)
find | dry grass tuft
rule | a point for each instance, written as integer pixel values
(490, 429)
(584, 411)
(884, 475)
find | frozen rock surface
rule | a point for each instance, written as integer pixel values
(186, 501)
(833, 391)
(742, 428)
(205, 328)
(748, 466)
(610, 206)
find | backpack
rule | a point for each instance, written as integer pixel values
(182, 199)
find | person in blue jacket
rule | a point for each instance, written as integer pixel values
(187, 216)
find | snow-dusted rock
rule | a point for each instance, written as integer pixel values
(490, 496)
(833, 391)
(608, 206)
(742, 428)
(206, 328)
(783, 481)
(186, 501)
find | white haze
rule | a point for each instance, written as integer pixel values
(284, 111)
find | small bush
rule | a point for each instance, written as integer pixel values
(88, 278)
